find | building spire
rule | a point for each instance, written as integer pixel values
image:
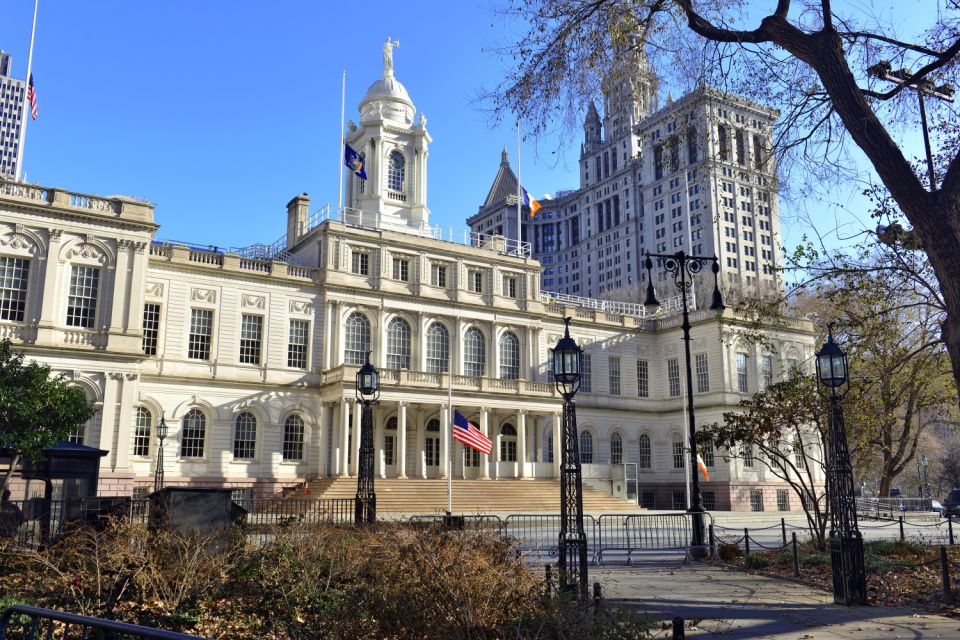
(504, 158)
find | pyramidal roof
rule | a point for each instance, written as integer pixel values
(504, 185)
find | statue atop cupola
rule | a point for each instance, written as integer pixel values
(387, 98)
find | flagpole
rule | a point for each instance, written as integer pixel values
(519, 187)
(26, 102)
(343, 98)
(450, 443)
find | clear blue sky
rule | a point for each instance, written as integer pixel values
(220, 112)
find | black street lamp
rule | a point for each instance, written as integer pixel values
(846, 542)
(161, 436)
(683, 267)
(567, 365)
(368, 393)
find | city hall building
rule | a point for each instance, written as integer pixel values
(250, 356)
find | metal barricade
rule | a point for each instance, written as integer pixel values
(538, 534)
(475, 522)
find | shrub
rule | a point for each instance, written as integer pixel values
(728, 552)
(755, 561)
(815, 560)
(895, 548)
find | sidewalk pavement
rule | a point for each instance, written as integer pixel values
(725, 603)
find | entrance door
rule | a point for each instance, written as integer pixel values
(431, 449)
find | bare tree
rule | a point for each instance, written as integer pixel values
(806, 58)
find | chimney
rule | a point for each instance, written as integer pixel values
(298, 210)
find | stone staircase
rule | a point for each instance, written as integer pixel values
(412, 496)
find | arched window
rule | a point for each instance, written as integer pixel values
(357, 339)
(245, 436)
(398, 344)
(646, 453)
(396, 172)
(799, 459)
(432, 444)
(678, 451)
(193, 434)
(509, 356)
(586, 447)
(293, 438)
(141, 432)
(508, 443)
(474, 352)
(438, 349)
(616, 449)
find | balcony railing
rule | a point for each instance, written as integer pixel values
(440, 381)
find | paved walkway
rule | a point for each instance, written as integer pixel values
(723, 603)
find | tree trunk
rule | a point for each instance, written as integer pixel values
(14, 461)
(885, 480)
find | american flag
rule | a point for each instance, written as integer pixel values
(32, 98)
(469, 435)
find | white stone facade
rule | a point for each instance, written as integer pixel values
(252, 362)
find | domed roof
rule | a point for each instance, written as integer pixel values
(387, 87)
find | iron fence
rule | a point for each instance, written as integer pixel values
(21, 622)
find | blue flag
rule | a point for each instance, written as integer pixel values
(354, 161)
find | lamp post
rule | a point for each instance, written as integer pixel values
(846, 542)
(572, 563)
(368, 393)
(885, 71)
(161, 436)
(683, 267)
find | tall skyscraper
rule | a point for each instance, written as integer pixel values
(695, 174)
(12, 94)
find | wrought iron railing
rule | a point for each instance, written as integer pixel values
(22, 622)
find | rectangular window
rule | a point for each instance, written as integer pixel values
(82, 303)
(586, 383)
(438, 275)
(475, 281)
(703, 373)
(783, 500)
(510, 286)
(201, 333)
(648, 499)
(678, 499)
(297, 346)
(151, 328)
(643, 379)
(360, 263)
(746, 453)
(742, 373)
(401, 269)
(709, 454)
(767, 368)
(13, 288)
(741, 148)
(709, 500)
(673, 377)
(432, 451)
(251, 339)
(141, 434)
(723, 141)
(756, 500)
(614, 375)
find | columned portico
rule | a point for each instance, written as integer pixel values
(522, 443)
(344, 437)
(402, 439)
(485, 430)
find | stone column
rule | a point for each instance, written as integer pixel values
(486, 460)
(49, 296)
(108, 420)
(557, 443)
(522, 443)
(379, 435)
(116, 288)
(318, 443)
(125, 424)
(355, 447)
(344, 438)
(444, 449)
(402, 439)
